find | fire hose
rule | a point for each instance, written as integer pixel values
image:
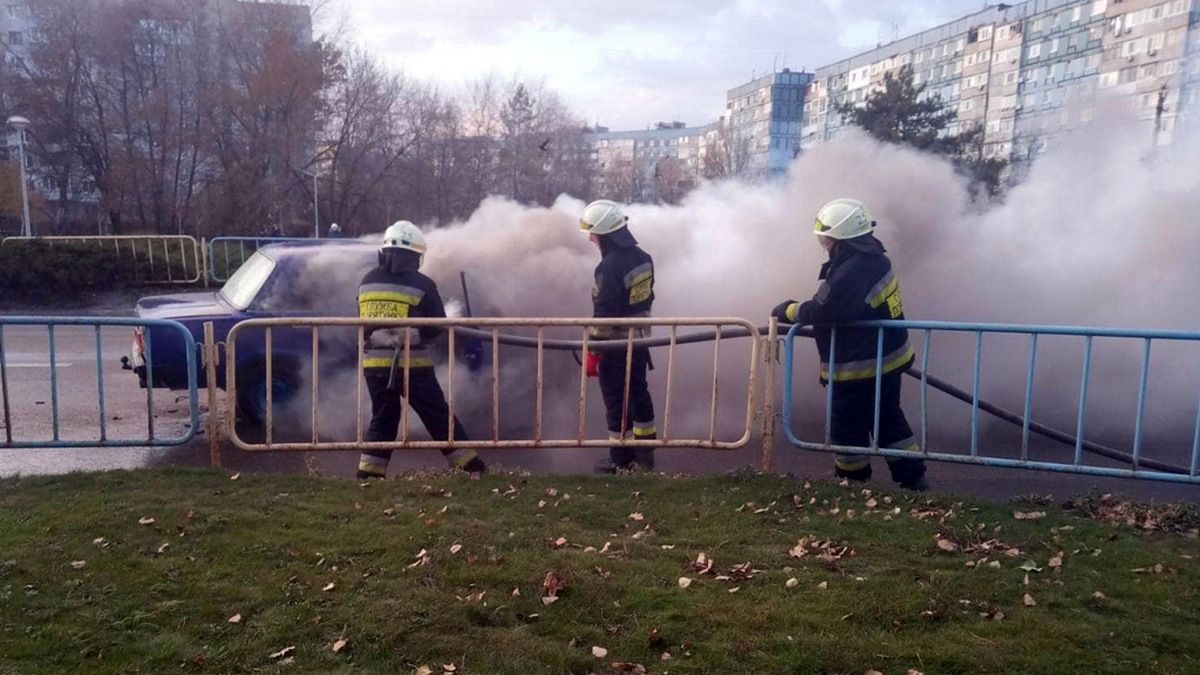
(986, 406)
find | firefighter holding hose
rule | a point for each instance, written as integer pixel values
(624, 287)
(858, 283)
(396, 289)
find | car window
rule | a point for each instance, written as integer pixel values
(244, 285)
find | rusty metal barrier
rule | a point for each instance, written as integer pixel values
(489, 330)
(158, 259)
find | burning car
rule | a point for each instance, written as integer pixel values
(294, 279)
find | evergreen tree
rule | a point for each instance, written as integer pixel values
(901, 112)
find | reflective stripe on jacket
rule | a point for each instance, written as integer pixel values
(624, 287)
(857, 284)
(387, 294)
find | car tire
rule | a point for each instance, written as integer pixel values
(252, 390)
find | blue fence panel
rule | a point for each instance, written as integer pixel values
(227, 254)
(168, 328)
(1139, 465)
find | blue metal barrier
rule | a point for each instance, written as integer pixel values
(103, 441)
(1158, 470)
(234, 251)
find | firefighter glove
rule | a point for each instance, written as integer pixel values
(786, 311)
(593, 364)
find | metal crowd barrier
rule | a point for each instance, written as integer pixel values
(1140, 466)
(489, 331)
(227, 254)
(162, 259)
(100, 431)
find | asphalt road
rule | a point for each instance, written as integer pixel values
(125, 416)
(31, 401)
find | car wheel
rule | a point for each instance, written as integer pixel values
(252, 391)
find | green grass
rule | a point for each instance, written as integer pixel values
(264, 547)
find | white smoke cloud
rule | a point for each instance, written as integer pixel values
(1100, 232)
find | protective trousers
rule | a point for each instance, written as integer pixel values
(639, 418)
(853, 422)
(427, 401)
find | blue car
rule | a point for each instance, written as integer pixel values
(300, 279)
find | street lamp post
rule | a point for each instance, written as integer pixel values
(316, 209)
(21, 124)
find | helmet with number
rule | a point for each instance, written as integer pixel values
(403, 235)
(844, 219)
(603, 217)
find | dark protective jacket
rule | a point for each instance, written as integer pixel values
(396, 290)
(624, 283)
(857, 284)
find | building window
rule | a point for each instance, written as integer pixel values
(16, 38)
(1035, 51)
(985, 33)
(14, 11)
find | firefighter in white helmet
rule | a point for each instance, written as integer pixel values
(624, 287)
(859, 284)
(396, 289)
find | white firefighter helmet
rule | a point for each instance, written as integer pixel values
(404, 235)
(602, 217)
(335, 228)
(844, 219)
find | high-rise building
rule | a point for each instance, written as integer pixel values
(765, 118)
(1028, 71)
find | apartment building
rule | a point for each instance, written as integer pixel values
(1029, 71)
(765, 118)
(653, 164)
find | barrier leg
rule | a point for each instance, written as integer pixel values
(770, 360)
(212, 426)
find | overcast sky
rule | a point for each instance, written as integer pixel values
(629, 63)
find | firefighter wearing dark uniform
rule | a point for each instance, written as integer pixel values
(859, 284)
(397, 290)
(624, 287)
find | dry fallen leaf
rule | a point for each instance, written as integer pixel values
(735, 589)
(945, 544)
(236, 618)
(1056, 562)
(560, 542)
(163, 548)
(423, 670)
(1099, 596)
(235, 476)
(455, 549)
(1029, 601)
(449, 668)
(1029, 515)
(99, 541)
(79, 564)
(516, 592)
(684, 582)
(637, 517)
(872, 672)
(329, 586)
(339, 645)
(146, 520)
(823, 585)
(599, 652)
(792, 583)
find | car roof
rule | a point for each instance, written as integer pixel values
(307, 249)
